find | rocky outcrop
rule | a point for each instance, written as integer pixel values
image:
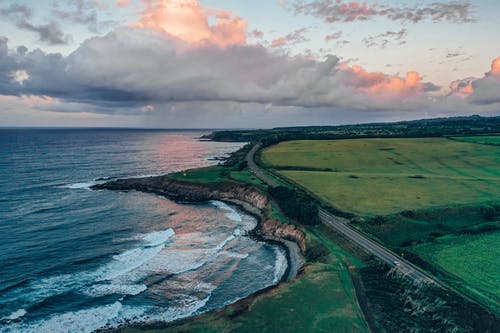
(277, 229)
(242, 195)
(189, 192)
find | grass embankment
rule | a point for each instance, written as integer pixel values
(384, 176)
(435, 200)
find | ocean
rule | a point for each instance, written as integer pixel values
(77, 260)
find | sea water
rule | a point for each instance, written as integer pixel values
(76, 260)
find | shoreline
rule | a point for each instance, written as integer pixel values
(294, 257)
(293, 251)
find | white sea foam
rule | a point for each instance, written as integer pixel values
(122, 274)
(83, 321)
(280, 264)
(112, 289)
(79, 186)
(231, 212)
(235, 254)
(110, 316)
(158, 237)
(16, 315)
(180, 260)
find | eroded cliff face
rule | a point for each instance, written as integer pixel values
(189, 192)
(277, 229)
(198, 192)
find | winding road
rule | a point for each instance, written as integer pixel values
(340, 225)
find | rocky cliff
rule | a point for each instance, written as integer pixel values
(199, 192)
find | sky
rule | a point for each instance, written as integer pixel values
(245, 64)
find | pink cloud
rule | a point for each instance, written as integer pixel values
(123, 3)
(462, 88)
(294, 37)
(495, 68)
(189, 21)
(480, 89)
(380, 85)
(335, 35)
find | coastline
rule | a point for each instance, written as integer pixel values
(244, 197)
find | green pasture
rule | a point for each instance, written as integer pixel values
(474, 259)
(384, 176)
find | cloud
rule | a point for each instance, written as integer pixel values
(19, 76)
(333, 36)
(133, 66)
(333, 11)
(258, 34)
(386, 38)
(462, 88)
(4, 48)
(188, 21)
(123, 3)
(292, 38)
(50, 33)
(143, 71)
(83, 12)
(487, 89)
(383, 86)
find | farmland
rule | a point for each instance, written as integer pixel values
(464, 257)
(383, 176)
(434, 200)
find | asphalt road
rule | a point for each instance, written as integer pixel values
(340, 225)
(256, 170)
(387, 256)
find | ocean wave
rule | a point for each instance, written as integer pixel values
(83, 321)
(100, 290)
(16, 315)
(110, 316)
(79, 186)
(235, 254)
(280, 264)
(158, 237)
(122, 270)
(232, 213)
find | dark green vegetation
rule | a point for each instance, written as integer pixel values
(296, 204)
(493, 140)
(400, 306)
(418, 128)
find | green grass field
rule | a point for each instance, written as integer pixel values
(474, 259)
(481, 139)
(384, 176)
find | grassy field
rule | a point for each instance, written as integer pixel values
(474, 259)
(211, 174)
(322, 299)
(483, 139)
(383, 176)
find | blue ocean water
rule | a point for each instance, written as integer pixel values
(76, 260)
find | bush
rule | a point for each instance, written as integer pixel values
(296, 204)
